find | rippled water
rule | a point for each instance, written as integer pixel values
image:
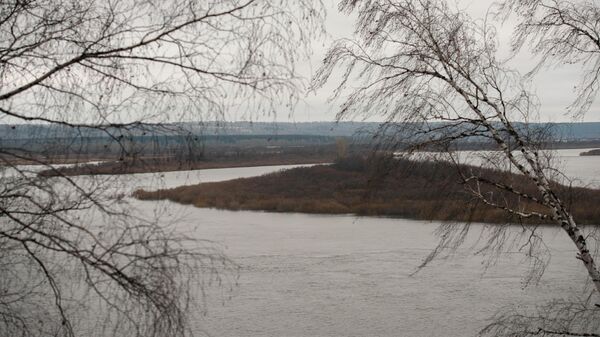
(306, 275)
(317, 275)
(321, 275)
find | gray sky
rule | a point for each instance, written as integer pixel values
(554, 87)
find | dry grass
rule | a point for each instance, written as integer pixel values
(400, 188)
(595, 152)
(146, 165)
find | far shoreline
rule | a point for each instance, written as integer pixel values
(106, 166)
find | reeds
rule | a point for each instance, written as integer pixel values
(381, 186)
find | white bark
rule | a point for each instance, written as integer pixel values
(422, 63)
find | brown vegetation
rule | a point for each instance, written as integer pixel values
(166, 164)
(385, 186)
(595, 152)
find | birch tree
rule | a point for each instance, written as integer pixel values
(433, 74)
(70, 249)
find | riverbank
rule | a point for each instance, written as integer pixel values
(152, 165)
(211, 158)
(595, 152)
(398, 188)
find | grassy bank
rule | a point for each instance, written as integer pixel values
(402, 188)
(595, 152)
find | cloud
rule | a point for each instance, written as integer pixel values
(554, 87)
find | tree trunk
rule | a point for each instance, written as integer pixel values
(569, 226)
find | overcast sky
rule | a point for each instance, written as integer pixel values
(554, 87)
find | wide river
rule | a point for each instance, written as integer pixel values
(321, 275)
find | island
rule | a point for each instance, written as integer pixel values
(595, 152)
(375, 187)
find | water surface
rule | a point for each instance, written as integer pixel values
(323, 275)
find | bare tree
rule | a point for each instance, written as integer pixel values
(432, 73)
(557, 318)
(74, 259)
(560, 32)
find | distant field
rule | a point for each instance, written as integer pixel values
(399, 188)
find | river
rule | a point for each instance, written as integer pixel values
(343, 275)
(322, 275)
